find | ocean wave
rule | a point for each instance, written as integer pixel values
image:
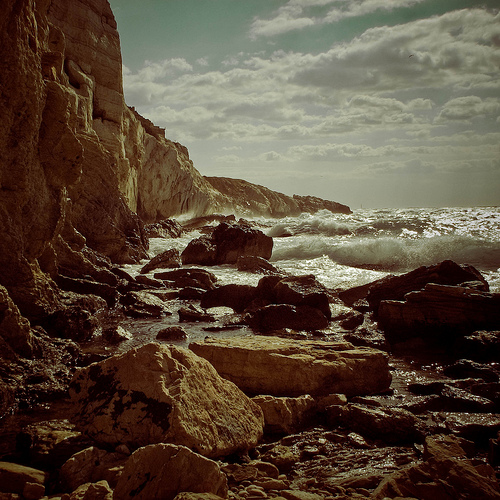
(393, 253)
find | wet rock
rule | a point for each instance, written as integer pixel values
(351, 320)
(285, 367)
(159, 393)
(172, 333)
(143, 304)
(116, 334)
(226, 243)
(167, 228)
(191, 293)
(167, 259)
(73, 322)
(446, 473)
(238, 297)
(477, 427)
(149, 282)
(284, 415)
(255, 469)
(465, 368)
(192, 313)
(275, 317)
(164, 470)
(256, 265)
(444, 273)
(479, 346)
(439, 312)
(180, 278)
(86, 286)
(14, 477)
(282, 457)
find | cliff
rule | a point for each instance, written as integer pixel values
(80, 171)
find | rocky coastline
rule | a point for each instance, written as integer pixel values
(401, 402)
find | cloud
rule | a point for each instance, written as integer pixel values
(467, 108)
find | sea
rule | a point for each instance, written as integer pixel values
(343, 251)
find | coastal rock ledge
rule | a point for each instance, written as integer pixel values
(286, 367)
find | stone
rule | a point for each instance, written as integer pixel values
(446, 473)
(172, 333)
(143, 304)
(465, 368)
(275, 317)
(479, 346)
(226, 243)
(192, 313)
(285, 367)
(238, 297)
(284, 415)
(444, 273)
(149, 282)
(33, 491)
(116, 334)
(198, 278)
(167, 228)
(85, 286)
(164, 260)
(250, 471)
(164, 470)
(441, 312)
(160, 393)
(256, 265)
(197, 496)
(13, 477)
(93, 491)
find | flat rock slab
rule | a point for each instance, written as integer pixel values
(158, 393)
(285, 367)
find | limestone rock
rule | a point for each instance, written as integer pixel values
(226, 243)
(167, 259)
(439, 311)
(284, 415)
(284, 367)
(164, 470)
(159, 393)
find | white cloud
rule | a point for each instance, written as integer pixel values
(467, 108)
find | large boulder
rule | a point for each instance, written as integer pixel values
(164, 260)
(285, 367)
(161, 471)
(193, 277)
(238, 297)
(226, 243)
(439, 311)
(159, 393)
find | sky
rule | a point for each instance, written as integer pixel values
(370, 103)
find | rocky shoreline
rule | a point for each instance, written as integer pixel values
(401, 402)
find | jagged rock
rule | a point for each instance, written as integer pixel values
(446, 473)
(464, 368)
(94, 491)
(439, 311)
(144, 304)
(149, 282)
(254, 264)
(73, 322)
(13, 477)
(159, 393)
(180, 278)
(172, 333)
(84, 286)
(226, 243)
(192, 313)
(284, 415)
(238, 297)
(276, 317)
(164, 470)
(284, 367)
(167, 228)
(477, 427)
(444, 273)
(167, 259)
(116, 334)
(250, 471)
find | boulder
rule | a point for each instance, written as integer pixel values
(86, 286)
(275, 317)
(167, 228)
(284, 415)
(439, 312)
(192, 313)
(161, 471)
(446, 473)
(159, 393)
(172, 333)
(167, 259)
(180, 278)
(226, 243)
(238, 297)
(93, 491)
(116, 334)
(479, 346)
(444, 273)
(285, 367)
(14, 477)
(143, 304)
(254, 264)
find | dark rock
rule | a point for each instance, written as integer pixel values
(266, 288)
(149, 282)
(72, 322)
(238, 297)
(144, 304)
(226, 243)
(254, 264)
(280, 316)
(87, 286)
(478, 427)
(465, 368)
(351, 320)
(172, 333)
(165, 260)
(445, 273)
(480, 346)
(191, 313)
(180, 278)
(191, 293)
(439, 312)
(167, 228)
(116, 334)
